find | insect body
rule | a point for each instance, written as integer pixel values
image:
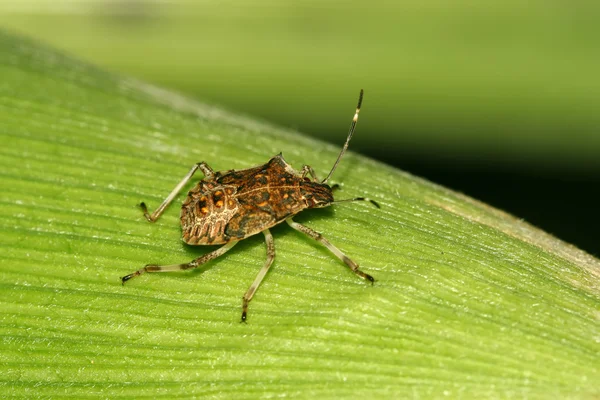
(236, 204)
(226, 207)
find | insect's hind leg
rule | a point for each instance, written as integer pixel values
(337, 252)
(178, 267)
(202, 166)
(261, 274)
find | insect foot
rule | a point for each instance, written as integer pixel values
(228, 206)
(147, 268)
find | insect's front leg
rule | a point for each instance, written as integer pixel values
(202, 166)
(337, 252)
(308, 170)
(179, 267)
(261, 274)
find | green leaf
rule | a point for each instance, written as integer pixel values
(501, 82)
(469, 302)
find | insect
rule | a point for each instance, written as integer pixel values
(228, 206)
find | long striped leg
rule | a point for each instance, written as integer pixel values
(178, 267)
(206, 170)
(319, 238)
(261, 274)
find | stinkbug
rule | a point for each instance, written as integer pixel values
(228, 206)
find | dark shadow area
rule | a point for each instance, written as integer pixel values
(563, 204)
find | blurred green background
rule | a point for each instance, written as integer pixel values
(497, 99)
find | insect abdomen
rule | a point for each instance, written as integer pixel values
(206, 212)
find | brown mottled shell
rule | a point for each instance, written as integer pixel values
(236, 204)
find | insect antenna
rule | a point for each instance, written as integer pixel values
(356, 199)
(352, 128)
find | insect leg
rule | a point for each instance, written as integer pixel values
(308, 170)
(376, 204)
(319, 238)
(178, 267)
(206, 170)
(261, 274)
